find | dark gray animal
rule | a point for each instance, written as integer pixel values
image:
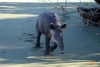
(49, 24)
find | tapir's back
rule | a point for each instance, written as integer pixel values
(44, 21)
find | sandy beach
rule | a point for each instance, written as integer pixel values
(18, 37)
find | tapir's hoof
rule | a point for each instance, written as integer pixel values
(38, 47)
(49, 50)
(47, 55)
(62, 52)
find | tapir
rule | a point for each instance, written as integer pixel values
(49, 24)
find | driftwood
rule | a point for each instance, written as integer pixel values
(91, 16)
(97, 1)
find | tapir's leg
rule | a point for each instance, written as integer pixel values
(53, 47)
(47, 45)
(38, 39)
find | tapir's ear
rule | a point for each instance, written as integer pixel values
(52, 26)
(63, 26)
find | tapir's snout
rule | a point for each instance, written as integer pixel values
(61, 46)
(62, 50)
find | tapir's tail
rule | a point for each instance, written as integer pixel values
(37, 23)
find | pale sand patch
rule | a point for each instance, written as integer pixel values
(2, 59)
(17, 16)
(13, 7)
(43, 64)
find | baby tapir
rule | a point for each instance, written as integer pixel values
(49, 24)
